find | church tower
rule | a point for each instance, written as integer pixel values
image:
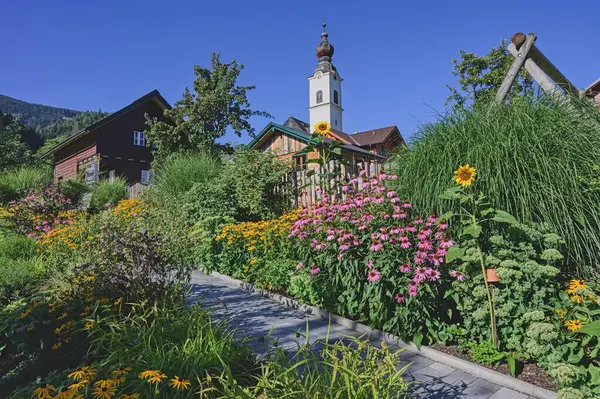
(325, 89)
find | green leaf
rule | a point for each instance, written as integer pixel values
(451, 193)
(592, 328)
(454, 252)
(446, 216)
(504, 217)
(595, 374)
(418, 339)
(473, 230)
(512, 364)
(337, 150)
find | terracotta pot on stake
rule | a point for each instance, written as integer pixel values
(491, 275)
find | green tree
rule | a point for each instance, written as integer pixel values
(13, 151)
(203, 115)
(480, 77)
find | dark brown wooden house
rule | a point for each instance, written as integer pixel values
(113, 146)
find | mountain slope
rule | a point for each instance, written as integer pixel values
(67, 127)
(35, 115)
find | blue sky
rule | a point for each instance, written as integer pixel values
(395, 56)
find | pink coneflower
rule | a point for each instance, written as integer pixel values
(330, 237)
(425, 245)
(391, 194)
(400, 298)
(320, 246)
(423, 234)
(362, 172)
(354, 180)
(457, 275)
(392, 177)
(370, 263)
(441, 252)
(376, 246)
(405, 242)
(315, 270)
(298, 265)
(395, 230)
(442, 226)
(410, 228)
(340, 256)
(373, 276)
(345, 189)
(434, 275)
(344, 247)
(418, 221)
(406, 205)
(446, 243)
(436, 259)
(421, 274)
(362, 226)
(405, 268)
(395, 200)
(378, 200)
(432, 219)
(384, 234)
(365, 185)
(413, 288)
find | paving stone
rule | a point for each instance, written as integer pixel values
(459, 378)
(490, 386)
(506, 393)
(419, 362)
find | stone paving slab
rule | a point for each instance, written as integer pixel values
(254, 316)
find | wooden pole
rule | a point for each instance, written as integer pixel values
(536, 73)
(520, 59)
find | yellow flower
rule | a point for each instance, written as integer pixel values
(90, 324)
(31, 328)
(78, 386)
(179, 383)
(78, 373)
(148, 374)
(63, 316)
(121, 372)
(246, 269)
(575, 285)
(57, 345)
(561, 313)
(130, 396)
(65, 395)
(106, 383)
(118, 301)
(465, 175)
(104, 392)
(577, 298)
(322, 128)
(156, 379)
(44, 391)
(253, 261)
(573, 325)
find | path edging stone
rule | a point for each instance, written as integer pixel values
(430, 353)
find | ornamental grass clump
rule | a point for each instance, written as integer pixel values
(541, 160)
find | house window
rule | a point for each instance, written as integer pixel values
(336, 97)
(139, 139)
(147, 177)
(319, 97)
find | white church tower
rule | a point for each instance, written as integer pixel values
(325, 89)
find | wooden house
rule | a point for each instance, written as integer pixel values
(113, 146)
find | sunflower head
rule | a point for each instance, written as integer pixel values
(465, 175)
(322, 128)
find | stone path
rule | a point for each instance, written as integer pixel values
(254, 316)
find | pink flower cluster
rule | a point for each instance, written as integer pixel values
(373, 222)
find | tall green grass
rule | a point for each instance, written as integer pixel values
(107, 192)
(538, 160)
(17, 183)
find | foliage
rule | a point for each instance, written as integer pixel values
(77, 123)
(12, 151)
(532, 155)
(17, 183)
(74, 189)
(179, 174)
(353, 369)
(486, 353)
(213, 199)
(18, 266)
(204, 115)
(107, 193)
(257, 178)
(34, 115)
(479, 78)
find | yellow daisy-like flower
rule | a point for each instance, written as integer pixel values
(118, 302)
(130, 396)
(144, 375)
(63, 316)
(106, 383)
(156, 379)
(44, 391)
(78, 374)
(121, 372)
(465, 175)
(56, 346)
(322, 128)
(575, 285)
(573, 325)
(78, 386)
(89, 324)
(64, 395)
(179, 383)
(104, 392)
(561, 313)
(577, 298)
(253, 260)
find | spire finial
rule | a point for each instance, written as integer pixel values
(324, 26)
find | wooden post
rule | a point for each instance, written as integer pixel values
(520, 58)
(537, 73)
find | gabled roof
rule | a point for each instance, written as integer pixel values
(593, 89)
(304, 137)
(154, 94)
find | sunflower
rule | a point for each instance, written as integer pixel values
(575, 285)
(322, 128)
(573, 325)
(465, 175)
(44, 391)
(104, 392)
(179, 383)
(121, 372)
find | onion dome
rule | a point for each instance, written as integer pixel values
(324, 49)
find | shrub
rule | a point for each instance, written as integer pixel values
(74, 190)
(535, 156)
(107, 193)
(211, 199)
(180, 173)
(17, 183)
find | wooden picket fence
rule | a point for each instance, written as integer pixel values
(134, 191)
(303, 185)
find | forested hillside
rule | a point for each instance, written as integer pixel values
(34, 115)
(70, 126)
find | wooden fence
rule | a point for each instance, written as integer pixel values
(133, 191)
(303, 185)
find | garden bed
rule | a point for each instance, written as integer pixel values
(530, 372)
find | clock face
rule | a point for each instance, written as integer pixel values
(318, 75)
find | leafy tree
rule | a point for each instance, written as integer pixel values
(203, 115)
(12, 151)
(479, 78)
